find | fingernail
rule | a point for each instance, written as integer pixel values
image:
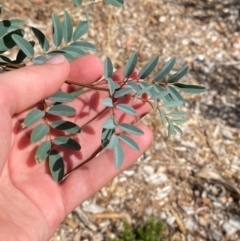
(57, 59)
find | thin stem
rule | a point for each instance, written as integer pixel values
(86, 86)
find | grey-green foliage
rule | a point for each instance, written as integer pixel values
(161, 91)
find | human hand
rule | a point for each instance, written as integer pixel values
(33, 205)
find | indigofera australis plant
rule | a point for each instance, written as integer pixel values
(160, 91)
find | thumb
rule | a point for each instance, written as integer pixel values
(22, 88)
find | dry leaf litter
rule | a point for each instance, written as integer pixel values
(192, 181)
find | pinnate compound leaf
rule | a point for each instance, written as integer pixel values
(32, 117)
(148, 68)
(81, 29)
(56, 165)
(57, 34)
(67, 27)
(130, 66)
(41, 39)
(126, 109)
(176, 77)
(67, 142)
(106, 136)
(7, 42)
(108, 68)
(77, 2)
(43, 151)
(115, 3)
(107, 102)
(192, 89)
(66, 126)
(39, 132)
(113, 141)
(84, 46)
(130, 142)
(131, 129)
(165, 70)
(60, 96)
(24, 45)
(122, 92)
(110, 123)
(118, 155)
(61, 110)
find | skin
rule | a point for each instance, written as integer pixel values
(33, 205)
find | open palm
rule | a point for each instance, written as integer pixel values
(32, 204)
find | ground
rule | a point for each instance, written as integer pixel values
(192, 181)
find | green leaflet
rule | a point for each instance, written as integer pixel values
(163, 117)
(112, 85)
(177, 114)
(118, 155)
(32, 117)
(130, 142)
(40, 60)
(81, 29)
(115, 3)
(57, 34)
(66, 126)
(21, 55)
(148, 68)
(113, 141)
(108, 68)
(165, 70)
(56, 165)
(107, 102)
(106, 136)
(78, 92)
(74, 51)
(127, 109)
(84, 46)
(60, 96)
(131, 129)
(192, 89)
(178, 129)
(41, 39)
(61, 110)
(135, 87)
(67, 27)
(67, 142)
(174, 93)
(7, 42)
(39, 132)
(171, 129)
(122, 92)
(110, 123)
(8, 25)
(174, 103)
(176, 77)
(77, 2)
(43, 151)
(130, 66)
